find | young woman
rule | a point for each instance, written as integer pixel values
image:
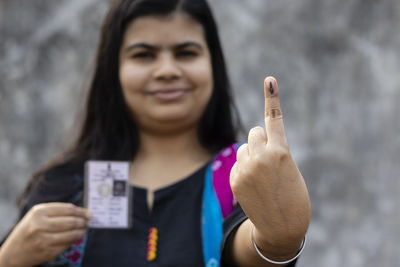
(160, 99)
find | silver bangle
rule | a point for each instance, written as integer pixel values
(303, 243)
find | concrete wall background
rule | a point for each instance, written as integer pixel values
(337, 64)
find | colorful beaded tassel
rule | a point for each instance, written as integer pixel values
(152, 244)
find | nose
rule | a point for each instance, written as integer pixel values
(167, 68)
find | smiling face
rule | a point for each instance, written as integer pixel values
(165, 72)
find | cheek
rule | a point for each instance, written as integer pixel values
(202, 75)
(207, 77)
(123, 77)
(131, 78)
(132, 81)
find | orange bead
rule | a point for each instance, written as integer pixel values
(152, 244)
(151, 256)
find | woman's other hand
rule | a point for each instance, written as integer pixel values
(267, 183)
(43, 233)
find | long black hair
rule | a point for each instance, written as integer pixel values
(108, 130)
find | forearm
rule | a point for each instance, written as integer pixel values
(4, 261)
(242, 252)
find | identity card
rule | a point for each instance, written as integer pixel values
(107, 193)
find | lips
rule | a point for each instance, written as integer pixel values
(168, 94)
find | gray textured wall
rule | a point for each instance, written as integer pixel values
(337, 63)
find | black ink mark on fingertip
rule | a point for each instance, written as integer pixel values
(271, 89)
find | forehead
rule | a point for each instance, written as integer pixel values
(168, 29)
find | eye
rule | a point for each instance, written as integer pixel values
(143, 55)
(186, 54)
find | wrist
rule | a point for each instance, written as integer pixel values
(3, 259)
(7, 260)
(277, 258)
(277, 246)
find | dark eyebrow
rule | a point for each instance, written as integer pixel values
(141, 45)
(189, 43)
(153, 47)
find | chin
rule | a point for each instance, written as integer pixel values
(167, 129)
(171, 115)
(173, 123)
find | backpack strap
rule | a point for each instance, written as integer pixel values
(218, 203)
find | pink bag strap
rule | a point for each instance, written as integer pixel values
(221, 169)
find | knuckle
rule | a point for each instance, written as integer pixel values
(232, 176)
(233, 181)
(242, 152)
(259, 159)
(71, 207)
(78, 235)
(73, 223)
(34, 229)
(30, 230)
(258, 128)
(233, 170)
(240, 181)
(244, 172)
(77, 223)
(37, 209)
(280, 153)
(243, 147)
(74, 210)
(233, 185)
(255, 130)
(284, 145)
(83, 223)
(68, 223)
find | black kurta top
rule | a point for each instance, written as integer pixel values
(176, 213)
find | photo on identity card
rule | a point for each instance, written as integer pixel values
(107, 194)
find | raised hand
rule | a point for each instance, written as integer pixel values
(44, 232)
(266, 181)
